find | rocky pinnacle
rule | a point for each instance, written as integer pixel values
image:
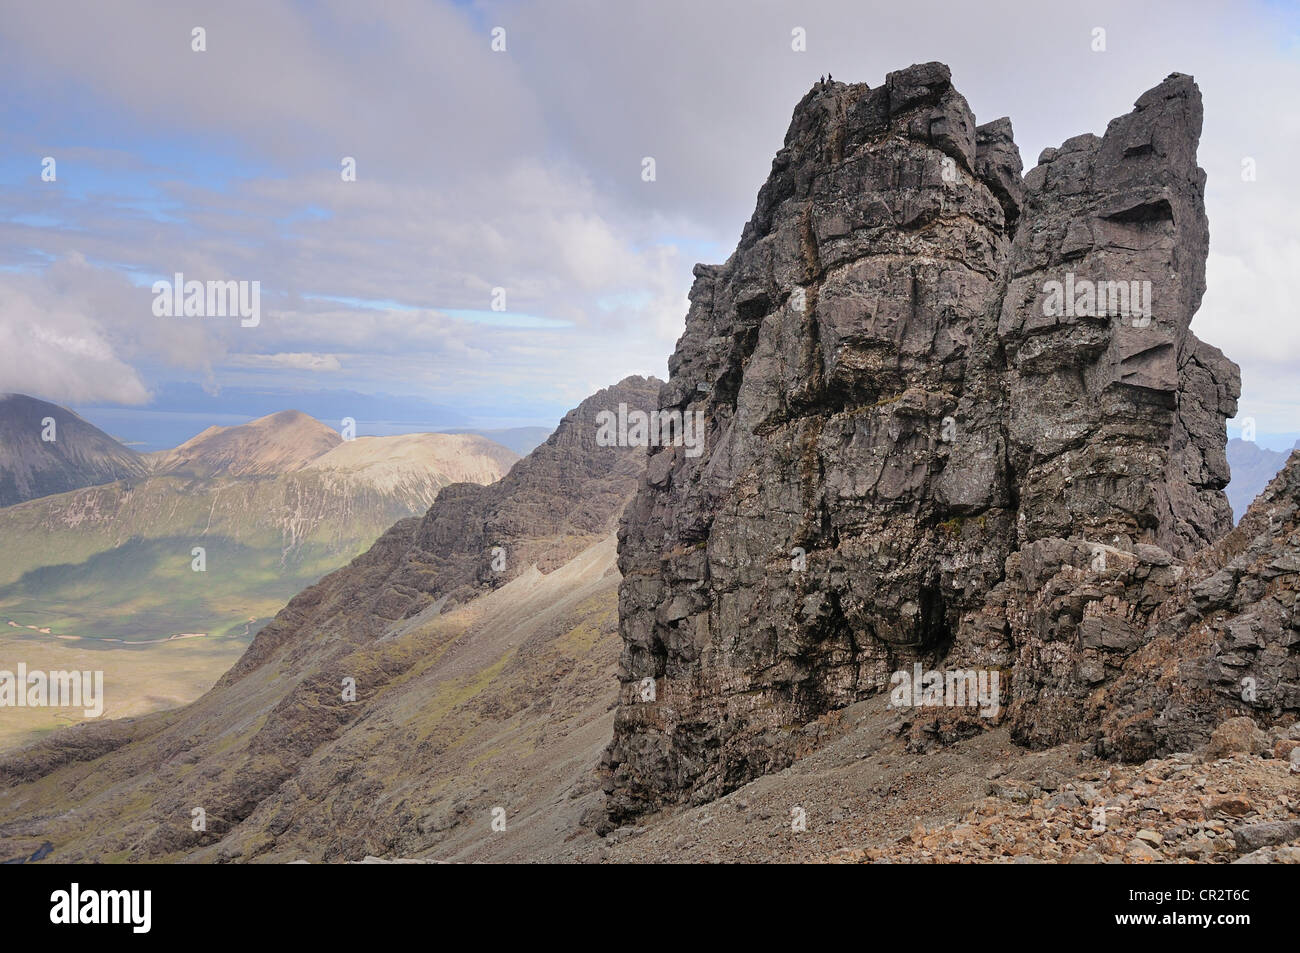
(921, 372)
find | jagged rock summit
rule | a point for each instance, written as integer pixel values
(930, 386)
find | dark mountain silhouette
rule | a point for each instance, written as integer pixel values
(79, 455)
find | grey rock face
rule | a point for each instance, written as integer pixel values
(1116, 420)
(1251, 837)
(1225, 643)
(905, 436)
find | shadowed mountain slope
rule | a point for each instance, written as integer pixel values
(111, 569)
(79, 455)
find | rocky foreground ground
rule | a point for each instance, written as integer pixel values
(865, 798)
(1243, 807)
(987, 801)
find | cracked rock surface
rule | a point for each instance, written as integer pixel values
(919, 451)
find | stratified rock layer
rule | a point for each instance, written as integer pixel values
(904, 432)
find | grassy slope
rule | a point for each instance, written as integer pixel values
(114, 563)
(505, 701)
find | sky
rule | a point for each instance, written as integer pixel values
(499, 255)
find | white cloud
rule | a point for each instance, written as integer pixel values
(522, 170)
(73, 333)
(299, 361)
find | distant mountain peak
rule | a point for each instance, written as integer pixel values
(282, 442)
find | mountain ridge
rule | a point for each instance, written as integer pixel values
(910, 461)
(206, 547)
(417, 604)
